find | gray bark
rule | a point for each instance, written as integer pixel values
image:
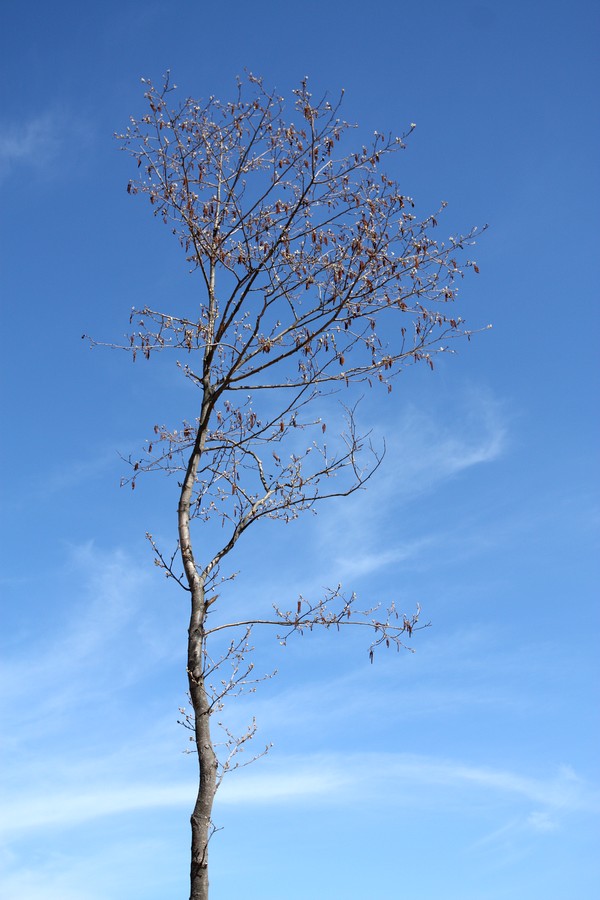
(207, 761)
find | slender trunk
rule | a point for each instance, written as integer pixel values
(200, 819)
(207, 761)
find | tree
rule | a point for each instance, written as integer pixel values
(315, 277)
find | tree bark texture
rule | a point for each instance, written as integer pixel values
(207, 761)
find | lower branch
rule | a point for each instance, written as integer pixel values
(336, 611)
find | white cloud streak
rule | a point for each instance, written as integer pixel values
(30, 143)
(106, 590)
(70, 807)
(382, 778)
(391, 777)
(66, 680)
(425, 450)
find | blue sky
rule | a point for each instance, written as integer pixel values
(465, 771)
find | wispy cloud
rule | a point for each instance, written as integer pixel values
(518, 830)
(426, 447)
(542, 821)
(72, 805)
(33, 142)
(359, 564)
(381, 778)
(105, 590)
(75, 472)
(47, 143)
(425, 450)
(101, 643)
(87, 872)
(415, 781)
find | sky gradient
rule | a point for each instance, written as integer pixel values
(467, 770)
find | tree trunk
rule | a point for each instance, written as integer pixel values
(201, 816)
(207, 761)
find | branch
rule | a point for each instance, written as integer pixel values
(388, 629)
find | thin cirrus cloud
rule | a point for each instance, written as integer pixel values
(106, 590)
(48, 143)
(32, 142)
(539, 821)
(71, 805)
(428, 447)
(83, 656)
(384, 778)
(537, 805)
(424, 451)
(359, 564)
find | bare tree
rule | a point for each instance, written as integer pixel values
(314, 276)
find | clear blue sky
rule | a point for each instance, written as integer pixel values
(465, 771)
